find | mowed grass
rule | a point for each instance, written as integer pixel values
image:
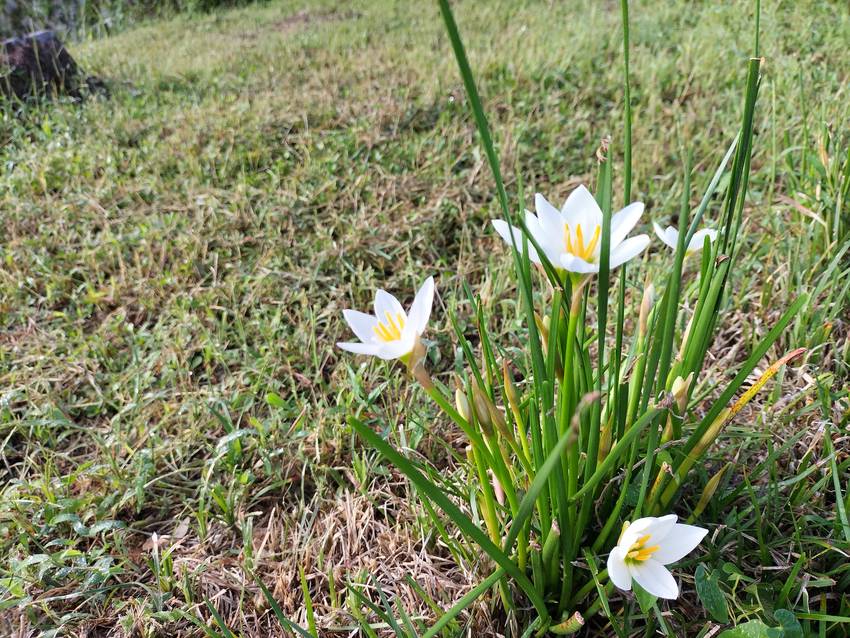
(175, 260)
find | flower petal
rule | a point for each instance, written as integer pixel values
(656, 527)
(629, 249)
(661, 527)
(655, 578)
(678, 543)
(581, 208)
(549, 242)
(577, 264)
(398, 348)
(550, 217)
(698, 240)
(623, 222)
(420, 309)
(361, 324)
(618, 572)
(385, 304)
(359, 348)
(664, 235)
(505, 230)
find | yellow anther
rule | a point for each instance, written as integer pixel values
(391, 330)
(578, 248)
(592, 245)
(568, 244)
(638, 552)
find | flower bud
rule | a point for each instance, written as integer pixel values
(416, 365)
(543, 329)
(462, 405)
(680, 392)
(510, 388)
(710, 434)
(481, 408)
(605, 440)
(498, 420)
(680, 355)
(663, 473)
(708, 492)
(823, 154)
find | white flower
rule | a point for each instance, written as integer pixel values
(390, 333)
(645, 547)
(670, 236)
(570, 237)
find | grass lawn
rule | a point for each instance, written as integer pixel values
(175, 260)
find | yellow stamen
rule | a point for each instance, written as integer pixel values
(592, 245)
(637, 552)
(578, 248)
(567, 240)
(391, 330)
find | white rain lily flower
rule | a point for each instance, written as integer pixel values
(391, 333)
(670, 236)
(645, 547)
(570, 237)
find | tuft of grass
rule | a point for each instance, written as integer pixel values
(174, 261)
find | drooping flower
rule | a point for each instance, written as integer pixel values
(670, 236)
(391, 333)
(645, 547)
(570, 237)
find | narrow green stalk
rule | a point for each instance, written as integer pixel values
(491, 520)
(568, 402)
(627, 119)
(627, 195)
(488, 503)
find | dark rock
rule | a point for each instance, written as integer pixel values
(37, 65)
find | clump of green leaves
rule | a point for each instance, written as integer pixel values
(592, 423)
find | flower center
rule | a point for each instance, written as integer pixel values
(390, 329)
(638, 552)
(576, 246)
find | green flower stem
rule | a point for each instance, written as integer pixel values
(568, 398)
(636, 383)
(510, 493)
(488, 503)
(568, 402)
(488, 509)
